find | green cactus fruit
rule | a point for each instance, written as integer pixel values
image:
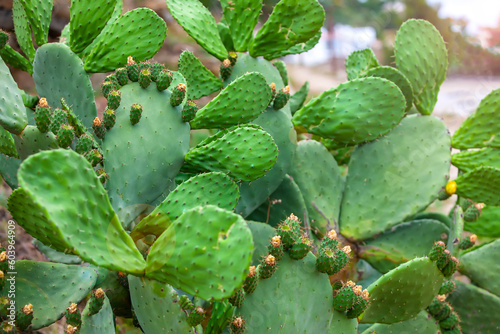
(107, 87)
(237, 298)
(98, 127)
(65, 135)
(226, 69)
(122, 278)
(185, 303)
(473, 212)
(59, 117)
(156, 69)
(267, 267)
(144, 78)
(272, 85)
(73, 316)
(178, 95)
(164, 79)
(450, 322)
(112, 78)
(102, 175)
(114, 99)
(451, 267)
(24, 317)
(467, 242)
(281, 98)
(7, 328)
(189, 111)
(444, 313)
(42, 115)
(122, 75)
(96, 301)
(437, 250)
(289, 231)
(94, 157)
(132, 69)
(345, 297)
(443, 195)
(4, 38)
(447, 287)
(84, 144)
(135, 113)
(300, 248)
(325, 260)
(251, 281)
(341, 259)
(276, 248)
(4, 304)
(337, 285)
(443, 259)
(330, 240)
(109, 118)
(196, 316)
(237, 325)
(233, 57)
(437, 305)
(358, 308)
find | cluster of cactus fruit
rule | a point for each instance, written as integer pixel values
(265, 219)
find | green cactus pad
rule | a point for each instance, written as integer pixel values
(50, 288)
(402, 243)
(87, 21)
(422, 57)
(321, 187)
(468, 160)
(74, 86)
(412, 171)
(392, 74)
(403, 292)
(203, 189)
(150, 173)
(481, 185)
(488, 223)
(482, 267)
(297, 48)
(245, 153)
(286, 199)
(297, 100)
(240, 102)
(8, 170)
(140, 33)
(211, 263)
(166, 316)
(7, 145)
(354, 112)
(241, 18)
(15, 59)
(63, 171)
(12, 111)
(199, 24)
(281, 67)
(478, 130)
(291, 22)
(101, 322)
(423, 323)
(200, 80)
(32, 141)
(39, 13)
(55, 256)
(22, 29)
(360, 62)
(283, 303)
(477, 308)
(456, 231)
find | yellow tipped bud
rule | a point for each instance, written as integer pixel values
(237, 322)
(3, 256)
(72, 308)
(276, 241)
(270, 260)
(99, 293)
(251, 271)
(28, 309)
(43, 102)
(71, 329)
(331, 235)
(441, 298)
(365, 294)
(347, 250)
(451, 188)
(130, 60)
(358, 290)
(472, 238)
(293, 217)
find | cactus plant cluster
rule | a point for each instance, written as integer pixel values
(286, 216)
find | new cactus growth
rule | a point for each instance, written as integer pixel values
(24, 317)
(194, 235)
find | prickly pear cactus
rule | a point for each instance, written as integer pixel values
(144, 208)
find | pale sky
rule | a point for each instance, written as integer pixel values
(484, 13)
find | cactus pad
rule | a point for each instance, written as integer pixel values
(12, 112)
(200, 80)
(468, 160)
(423, 323)
(241, 18)
(360, 62)
(481, 185)
(39, 13)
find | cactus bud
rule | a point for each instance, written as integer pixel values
(450, 267)
(225, 69)
(196, 317)
(114, 99)
(446, 288)
(185, 303)
(94, 157)
(96, 301)
(468, 242)
(102, 175)
(437, 250)
(43, 115)
(267, 267)
(59, 117)
(233, 56)
(443, 260)
(156, 69)
(251, 281)
(450, 322)
(65, 135)
(330, 240)
(109, 118)
(71, 329)
(273, 92)
(300, 248)
(144, 78)
(178, 95)
(189, 111)
(237, 298)
(98, 127)
(163, 80)
(132, 69)
(289, 231)
(473, 212)
(325, 259)
(281, 98)
(73, 316)
(451, 188)
(276, 248)
(135, 113)
(237, 325)
(344, 299)
(24, 317)
(84, 144)
(443, 195)
(107, 87)
(122, 76)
